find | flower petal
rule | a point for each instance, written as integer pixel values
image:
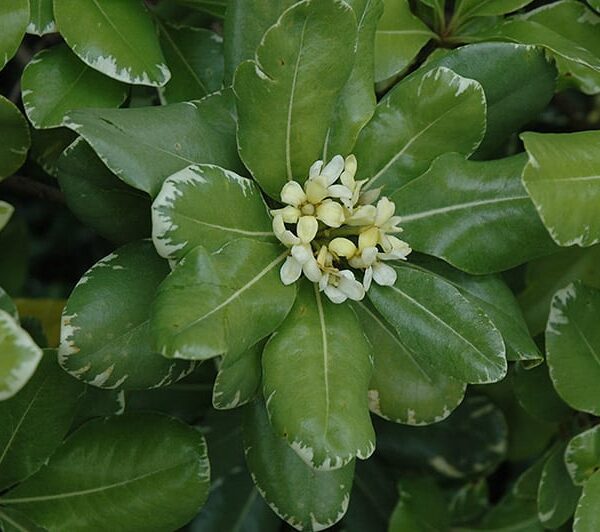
(331, 213)
(383, 274)
(293, 194)
(339, 191)
(333, 169)
(342, 247)
(307, 229)
(364, 215)
(290, 271)
(312, 271)
(289, 214)
(368, 278)
(302, 252)
(350, 286)
(335, 294)
(316, 191)
(315, 169)
(385, 210)
(284, 235)
(368, 238)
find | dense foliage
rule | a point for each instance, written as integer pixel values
(321, 263)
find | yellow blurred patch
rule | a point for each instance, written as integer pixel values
(48, 311)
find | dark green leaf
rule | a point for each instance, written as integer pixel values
(14, 138)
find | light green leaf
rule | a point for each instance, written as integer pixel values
(305, 498)
(207, 205)
(557, 496)
(582, 456)
(399, 38)
(487, 8)
(106, 476)
(443, 328)
(494, 297)
(7, 304)
(6, 211)
(100, 199)
(587, 518)
(56, 82)
(595, 4)
(402, 388)
(563, 180)
(41, 20)
(421, 118)
(105, 334)
(19, 356)
(34, 422)
(472, 441)
(115, 38)
(283, 120)
(195, 58)
(518, 82)
(216, 8)
(474, 215)
(203, 308)
(316, 372)
(145, 146)
(573, 346)
(14, 138)
(356, 102)
(14, 16)
(239, 378)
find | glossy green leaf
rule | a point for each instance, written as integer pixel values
(474, 215)
(41, 20)
(6, 211)
(526, 486)
(403, 389)
(400, 37)
(14, 243)
(469, 501)
(34, 422)
(202, 308)
(316, 372)
(105, 334)
(14, 138)
(441, 326)
(356, 102)
(195, 58)
(587, 518)
(15, 17)
(573, 346)
(116, 38)
(101, 200)
(145, 146)
(56, 82)
(557, 495)
(487, 8)
(421, 118)
(582, 456)
(283, 121)
(472, 441)
(208, 206)
(518, 82)
(564, 173)
(494, 297)
(13, 521)
(107, 473)
(19, 356)
(47, 146)
(239, 378)
(305, 498)
(514, 514)
(246, 21)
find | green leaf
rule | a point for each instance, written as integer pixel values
(34, 422)
(573, 346)
(239, 379)
(14, 138)
(514, 515)
(587, 518)
(100, 199)
(441, 326)
(19, 356)
(518, 82)
(402, 388)
(472, 441)
(7, 305)
(582, 456)
(316, 372)
(283, 120)
(564, 173)
(41, 20)
(356, 102)
(202, 308)
(487, 8)
(15, 17)
(246, 21)
(557, 496)
(474, 215)
(145, 146)
(526, 486)
(47, 145)
(107, 473)
(207, 205)
(105, 335)
(195, 58)
(216, 8)
(469, 501)
(56, 82)
(400, 37)
(421, 118)
(494, 297)
(305, 498)
(6, 211)
(115, 38)
(14, 521)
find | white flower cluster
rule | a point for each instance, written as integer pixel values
(337, 227)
